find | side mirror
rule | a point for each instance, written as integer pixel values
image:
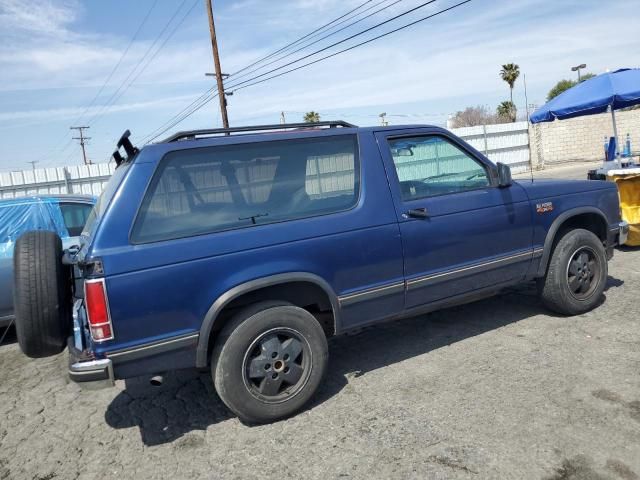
(504, 175)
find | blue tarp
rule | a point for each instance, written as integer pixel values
(25, 214)
(617, 90)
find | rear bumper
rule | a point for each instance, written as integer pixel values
(623, 232)
(89, 372)
(617, 236)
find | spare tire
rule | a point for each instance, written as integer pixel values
(42, 294)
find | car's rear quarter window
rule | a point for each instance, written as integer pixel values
(209, 189)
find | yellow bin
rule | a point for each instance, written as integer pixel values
(628, 182)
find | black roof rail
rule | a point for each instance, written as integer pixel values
(192, 134)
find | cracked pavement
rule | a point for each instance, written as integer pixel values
(496, 389)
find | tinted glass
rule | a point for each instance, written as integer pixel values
(105, 197)
(204, 190)
(430, 165)
(75, 216)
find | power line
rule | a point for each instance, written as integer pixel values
(180, 115)
(200, 97)
(244, 84)
(183, 117)
(324, 37)
(126, 50)
(422, 5)
(124, 86)
(248, 83)
(301, 38)
(115, 68)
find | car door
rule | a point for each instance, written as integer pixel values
(74, 215)
(460, 231)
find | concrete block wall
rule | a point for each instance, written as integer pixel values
(582, 138)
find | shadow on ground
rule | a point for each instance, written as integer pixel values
(187, 400)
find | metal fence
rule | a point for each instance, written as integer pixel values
(87, 179)
(507, 143)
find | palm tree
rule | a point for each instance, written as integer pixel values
(510, 73)
(311, 117)
(507, 110)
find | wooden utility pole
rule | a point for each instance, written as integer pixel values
(216, 64)
(82, 139)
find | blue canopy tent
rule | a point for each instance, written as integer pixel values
(611, 90)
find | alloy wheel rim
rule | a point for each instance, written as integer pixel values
(277, 365)
(583, 273)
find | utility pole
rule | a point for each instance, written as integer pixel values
(216, 64)
(33, 164)
(82, 139)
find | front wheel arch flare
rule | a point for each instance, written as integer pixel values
(556, 228)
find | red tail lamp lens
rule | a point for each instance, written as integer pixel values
(98, 310)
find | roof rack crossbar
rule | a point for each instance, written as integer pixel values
(192, 134)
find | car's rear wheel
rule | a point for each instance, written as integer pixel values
(42, 294)
(268, 361)
(577, 274)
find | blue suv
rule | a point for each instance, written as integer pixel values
(243, 250)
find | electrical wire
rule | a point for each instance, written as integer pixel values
(124, 86)
(183, 117)
(324, 49)
(196, 100)
(249, 83)
(301, 38)
(115, 68)
(323, 38)
(318, 31)
(244, 84)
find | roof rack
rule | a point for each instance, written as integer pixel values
(193, 134)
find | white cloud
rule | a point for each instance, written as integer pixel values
(451, 59)
(43, 17)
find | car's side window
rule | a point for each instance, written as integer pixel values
(431, 165)
(75, 216)
(204, 190)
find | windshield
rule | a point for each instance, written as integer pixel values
(105, 198)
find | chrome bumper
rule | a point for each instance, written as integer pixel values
(623, 232)
(89, 373)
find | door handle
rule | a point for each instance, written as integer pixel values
(417, 213)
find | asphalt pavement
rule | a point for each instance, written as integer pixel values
(500, 388)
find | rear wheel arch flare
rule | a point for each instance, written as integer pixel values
(211, 322)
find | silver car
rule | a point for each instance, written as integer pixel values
(63, 214)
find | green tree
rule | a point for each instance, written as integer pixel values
(564, 85)
(507, 110)
(510, 73)
(311, 117)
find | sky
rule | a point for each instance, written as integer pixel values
(62, 64)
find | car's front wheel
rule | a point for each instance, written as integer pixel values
(577, 274)
(268, 361)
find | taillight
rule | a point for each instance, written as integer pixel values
(95, 297)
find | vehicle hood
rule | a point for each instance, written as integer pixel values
(538, 189)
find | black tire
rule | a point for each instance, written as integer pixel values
(240, 351)
(576, 275)
(42, 294)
